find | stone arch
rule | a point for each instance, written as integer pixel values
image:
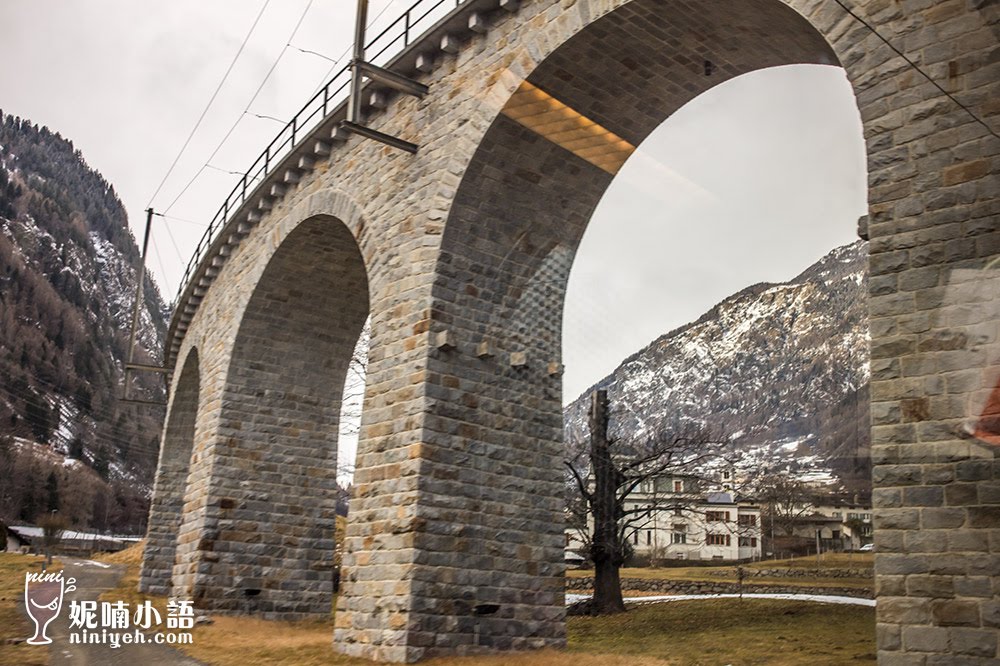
(461, 432)
(267, 540)
(171, 480)
(516, 220)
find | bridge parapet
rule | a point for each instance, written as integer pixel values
(316, 131)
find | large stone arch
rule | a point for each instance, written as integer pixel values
(171, 480)
(265, 515)
(451, 423)
(517, 218)
(486, 571)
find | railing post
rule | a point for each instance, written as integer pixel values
(354, 107)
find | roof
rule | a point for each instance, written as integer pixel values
(31, 532)
(720, 498)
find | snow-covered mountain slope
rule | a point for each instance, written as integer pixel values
(781, 370)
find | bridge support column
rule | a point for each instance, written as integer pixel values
(260, 538)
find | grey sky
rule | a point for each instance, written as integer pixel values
(752, 181)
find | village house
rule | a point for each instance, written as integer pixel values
(680, 520)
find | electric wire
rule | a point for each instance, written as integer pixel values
(914, 65)
(246, 109)
(211, 100)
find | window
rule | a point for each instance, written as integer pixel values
(725, 475)
(678, 512)
(679, 537)
(716, 516)
(748, 521)
(678, 486)
(649, 537)
(680, 527)
(748, 542)
(717, 539)
(635, 537)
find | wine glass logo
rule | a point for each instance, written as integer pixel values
(43, 596)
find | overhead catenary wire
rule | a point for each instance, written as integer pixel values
(173, 241)
(106, 416)
(180, 219)
(211, 100)
(914, 65)
(246, 109)
(315, 53)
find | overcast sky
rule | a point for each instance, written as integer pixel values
(752, 181)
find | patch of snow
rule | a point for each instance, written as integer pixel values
(817, 598)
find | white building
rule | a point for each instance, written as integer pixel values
(679, 521)
(839, 525)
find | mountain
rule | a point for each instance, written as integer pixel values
(67, 274)
(780, 370)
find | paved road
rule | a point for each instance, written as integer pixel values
(93, 578)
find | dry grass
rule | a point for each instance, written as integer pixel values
(826, 561)
(728, 631)
(713, 632)
(693, 633)
(225, 643)
(727, 573)
(14, 624)
(245, 641)
(129, 556)
(550, 658)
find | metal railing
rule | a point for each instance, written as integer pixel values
(328, 99)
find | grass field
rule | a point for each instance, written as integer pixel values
(711, 632)
(727, 573)
(13, 622)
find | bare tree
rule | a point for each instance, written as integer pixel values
(53, 525)
(785, 501)
(610, 471)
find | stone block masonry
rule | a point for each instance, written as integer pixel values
(460, 256)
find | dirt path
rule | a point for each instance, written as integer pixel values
(93, 578)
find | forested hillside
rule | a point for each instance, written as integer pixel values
(67, 274)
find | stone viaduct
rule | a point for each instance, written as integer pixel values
(460, 255)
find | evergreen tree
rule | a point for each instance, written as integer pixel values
(52, 492)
